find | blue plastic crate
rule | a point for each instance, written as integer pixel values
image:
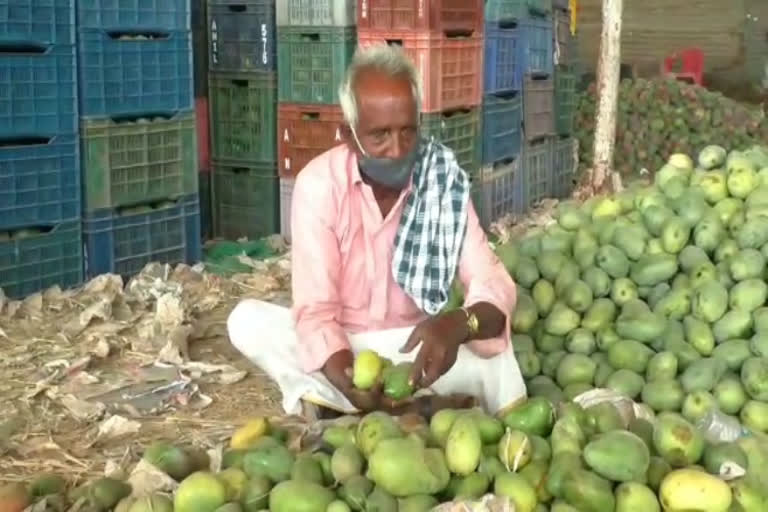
(40, 21)
(34, 259)
(132, 74)
(499, 191)
(535, 48)
(40, 182)
(502, 126)
(124, 241)
(38, 85)
(134, 14)
(502, 72)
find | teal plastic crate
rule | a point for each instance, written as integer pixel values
(459, 130)
(245, 197)
(243, 116)
(312, 62)
(505, 11)
(564, 163)
(537, 171)
(565, 100)
(34, 258)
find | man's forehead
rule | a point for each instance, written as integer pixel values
(371, 82)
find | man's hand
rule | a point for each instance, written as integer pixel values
(338, 370)
(440, 337)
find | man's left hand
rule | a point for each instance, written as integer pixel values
(440, 338)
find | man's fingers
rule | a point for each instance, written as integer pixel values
(413, 341)
(432, 372)
(417, 369)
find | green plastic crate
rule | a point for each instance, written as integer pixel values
(245, 199)
(132, 162)
(755, 52)
(499, 11)
(565, 100)
(460, 131)
(312, 62)
(243, 116)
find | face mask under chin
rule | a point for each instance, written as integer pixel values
(394, 173)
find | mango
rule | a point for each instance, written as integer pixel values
(690, 489)
(618, 455)
(463, 447)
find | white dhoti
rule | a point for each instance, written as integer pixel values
(264, 333)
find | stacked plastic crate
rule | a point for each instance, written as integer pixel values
(564, 153)
(200, 63)
(316, 41)
(524, 31)
(137, 125)
(242, 93)
(445, 40)
(40, 193)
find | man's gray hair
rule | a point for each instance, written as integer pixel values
(390, 60)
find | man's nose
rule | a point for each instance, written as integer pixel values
(397, 146)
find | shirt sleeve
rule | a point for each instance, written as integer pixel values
(485, 280)
(315, 272)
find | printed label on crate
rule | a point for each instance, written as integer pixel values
(421, 9)
(264, 54)
(214, 42)
(364, 9)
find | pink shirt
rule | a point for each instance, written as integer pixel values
(342, 255)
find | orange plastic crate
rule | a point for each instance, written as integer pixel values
(425, 15)
(451, 68)
(305, 131)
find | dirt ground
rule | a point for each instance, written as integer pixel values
(92, 376)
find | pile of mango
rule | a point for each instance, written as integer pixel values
(538, 456)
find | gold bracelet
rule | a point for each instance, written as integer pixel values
(473, 324)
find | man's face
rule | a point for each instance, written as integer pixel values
(388, 124)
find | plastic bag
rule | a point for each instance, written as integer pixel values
(628, 409)
(488, 503)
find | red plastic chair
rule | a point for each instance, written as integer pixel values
(690, 61)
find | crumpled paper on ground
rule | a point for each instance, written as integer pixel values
(488, 503)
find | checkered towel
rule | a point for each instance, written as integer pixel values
(431, 232)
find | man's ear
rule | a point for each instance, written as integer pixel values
(346, 133)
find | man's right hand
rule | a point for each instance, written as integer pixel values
(338, 370)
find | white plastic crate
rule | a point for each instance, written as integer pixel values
(286, 193)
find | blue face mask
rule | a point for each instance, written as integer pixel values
(390, 172)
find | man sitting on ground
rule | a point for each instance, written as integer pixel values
(380, 227)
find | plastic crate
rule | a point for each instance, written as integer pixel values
(511, 10)
(134, 14)
(206, 216)
(132, 162)
(241, 35)
(305, 131)
(123, 241)
(501, 69)
(245, 199)
(40, 182)
(33, 259)
(537, 171)
(312, 62)
(535, 46)
(243, 116)
(562, 5)
(124, 74)
(502, 127)
(499, 191)
(564, 163)
(42, 21)
(565, 51)
(538, 106)
(38, 91)
(434, 15)
(565, 100)
(203, 134)
(286, 197)
(316, 13)
(451, 68)
(200, 61)
(458, 130)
